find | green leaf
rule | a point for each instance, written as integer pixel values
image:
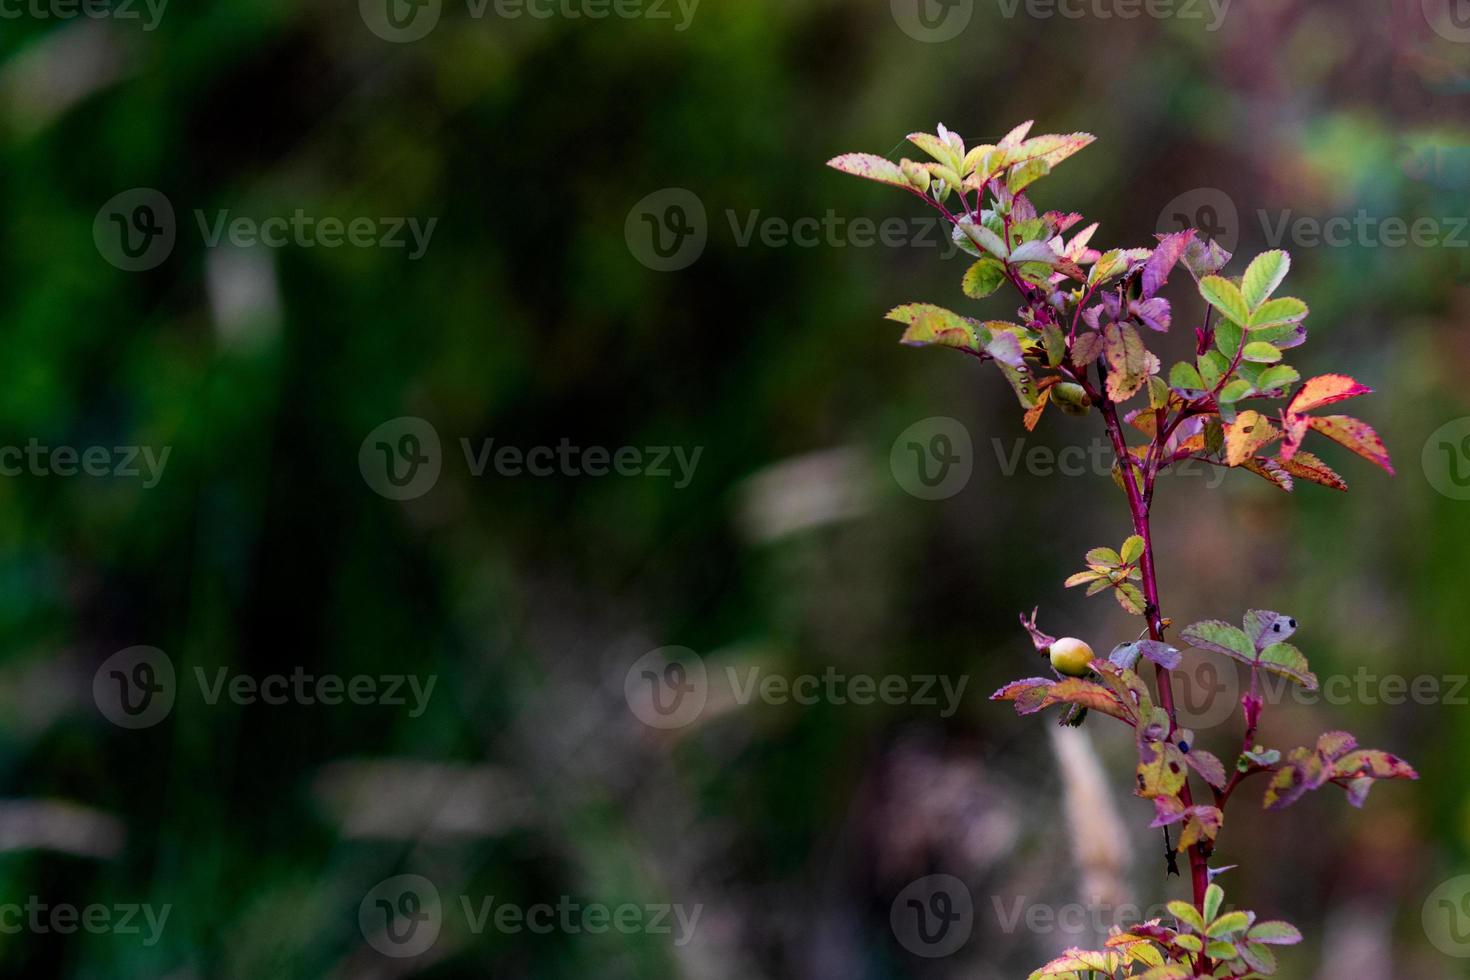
(930, 325)
(1287, 661)
(1055, 343)
(1225, 296)
(1262, 277)
(1212, 367)
(1132, 549)
(984, 237)
(1220, 637)
(1187, 915)
(1214, 898)
(1158, 392)
(984, 278)
(1130, 599)
(938, 149)
(1276, 312)
(1235, 391)
(1023, 175)
(1111, 263)
(1227, 338)
(1260, 352)
(1275, 933)
(1184, 376)
(1276, 377)
(1229, 923)
(1220, 949)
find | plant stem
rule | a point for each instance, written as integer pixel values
(1138, 507)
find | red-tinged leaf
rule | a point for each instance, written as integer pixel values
(1202, 824)
(1373, 763)
(1016, 689)
(1053, 148)
(1073, 690)
(1033, 414)
(1167, 810)
(1324, 390)
(1247, 435)
(1161, 769)
(1270, 470)
(1295, 431)
(871, 167)
(1210, 768)
(1332, 746)
(1086, 349)
(1015, 136)
(1168, 253)
(1039, 639)
(1220, 637)
(1127, 366)
(1129, 688)
(1075, 962)
(1356, 435)
(1305, 466)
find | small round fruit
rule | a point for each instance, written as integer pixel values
(1071, 656)
(1071, 398)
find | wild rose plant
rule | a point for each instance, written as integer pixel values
(1079, 343)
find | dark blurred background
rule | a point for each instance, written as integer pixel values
(627, 241)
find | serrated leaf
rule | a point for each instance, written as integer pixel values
(1263, 276)
(1274, 932)
(1204, 258)
(1228, 924)
(984, 278)
(1130, 599)
(1161, 653)
(937, 148)
(1082, 578)
(1127, 366)
(1185, 376)
(1132, 549)
(1166, 255)
(1287, 661)
(1214, 898)
(1276, 312)
(1225, 296)
(984, 238)
(1221, 949)
(1111, 263)
(1271, 471)
(1053, 148)
(1276, 377)
(1054, 342)
(1220, 637)
(1355, 435)
(934, 325)
(1023, 175)
(1210, 768)
(1259, 958)
(1187, 915)
(1077, 961)
(1227, 338)
(1212, 367)
(1305, 466)
(1265, 627)
(1161, 769)
(871, 167)
(1325, 389)
(1260, 352)
(1086, 349)
(1247, 435)
(1203, 824)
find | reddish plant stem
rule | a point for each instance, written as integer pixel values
(1138, 507)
